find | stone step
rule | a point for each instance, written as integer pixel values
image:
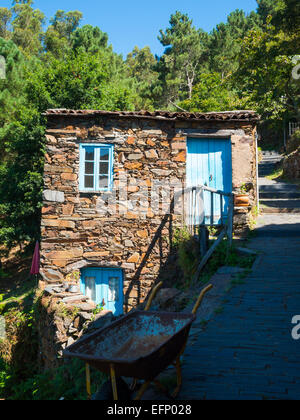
(279, 188)
(270, 210)
(279, 210)
(280, 205)
(281, 202)
(279, 194)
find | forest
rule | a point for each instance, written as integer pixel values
(246, 62)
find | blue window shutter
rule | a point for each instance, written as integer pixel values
(108, 287)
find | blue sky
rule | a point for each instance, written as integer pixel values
(134, 22)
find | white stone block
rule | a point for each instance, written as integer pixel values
(55, 196)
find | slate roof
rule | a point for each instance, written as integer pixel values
(244, 115)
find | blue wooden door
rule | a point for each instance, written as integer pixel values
(209, 163)
(105, 287)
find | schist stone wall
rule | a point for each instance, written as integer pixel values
(97, 229)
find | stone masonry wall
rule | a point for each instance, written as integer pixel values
(291, 165)
(83, 229)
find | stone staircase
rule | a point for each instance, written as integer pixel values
(276, 197)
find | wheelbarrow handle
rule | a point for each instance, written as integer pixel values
(200, 298)
(152, 295)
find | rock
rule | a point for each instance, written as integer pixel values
(134, 258)
(67, 323)
(86, 307)
(70, 341)
(79, 297)
(161, 172)
(101, 320)
(76, 321)
(246, 251)
(72, 330)
(151, 154)
(135, 156)
(165, 298)
(85, 316)
(65, 255)
(55, 196)
(51, 275)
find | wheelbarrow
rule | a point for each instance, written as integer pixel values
(140, 345)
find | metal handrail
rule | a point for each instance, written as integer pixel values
(227, 228)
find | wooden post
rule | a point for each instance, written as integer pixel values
(88, 381)
(203, 240)
(113, 382)
(221, 209)
(209, 254)
(212, 208)
(230, 221)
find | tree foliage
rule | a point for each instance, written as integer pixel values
(245, 62)
(184, 54)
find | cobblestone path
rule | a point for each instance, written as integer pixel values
(247, 351)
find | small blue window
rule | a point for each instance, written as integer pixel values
(96, 167)
(104, 286)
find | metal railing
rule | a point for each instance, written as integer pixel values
(208, 207)
(293, 127)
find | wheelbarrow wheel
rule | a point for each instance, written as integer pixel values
(105, 393)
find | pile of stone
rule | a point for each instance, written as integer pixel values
(71, 296)
(66, 316)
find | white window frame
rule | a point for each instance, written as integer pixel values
(82, 153)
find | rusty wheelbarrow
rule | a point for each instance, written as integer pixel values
(140, 346)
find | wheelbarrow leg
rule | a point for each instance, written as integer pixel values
(179, 378)
(113, 382)
(88, 381)
(142, 391)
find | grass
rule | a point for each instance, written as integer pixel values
(22, 294)
(277, 175)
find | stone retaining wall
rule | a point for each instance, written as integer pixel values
(291, 165)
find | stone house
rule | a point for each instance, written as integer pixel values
(108, 181)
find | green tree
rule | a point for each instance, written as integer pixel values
(140, 66)
(265, 72)
(58, 35)
(266, 8)
(89, 38)
(12, 99)
(85, 80)
(21, 144)
(5, 19)
(225, 42)
(183, 57)
(287, 17)
(212, 93)
(27, 27)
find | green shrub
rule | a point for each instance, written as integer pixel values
(188, 252)
(67, 382)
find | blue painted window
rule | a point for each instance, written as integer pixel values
(104, 286)
(96, 167)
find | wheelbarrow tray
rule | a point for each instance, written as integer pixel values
(140, 345)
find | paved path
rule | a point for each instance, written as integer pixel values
(247, 351)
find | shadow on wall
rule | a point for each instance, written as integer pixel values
(168, 266)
